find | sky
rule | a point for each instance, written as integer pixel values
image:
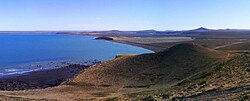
(32, 15)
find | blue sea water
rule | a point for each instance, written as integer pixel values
(26, 52)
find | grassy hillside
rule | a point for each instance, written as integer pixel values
(145, 69)
(148, 71)
(229, 80)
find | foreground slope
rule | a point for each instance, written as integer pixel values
(229, 80)
(132, 74)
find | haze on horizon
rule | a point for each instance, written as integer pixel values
(28, 15)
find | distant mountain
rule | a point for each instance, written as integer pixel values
(199, 32)
(146, 32)
(201, 29)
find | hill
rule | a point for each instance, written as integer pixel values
(177, 73)
(150, 69)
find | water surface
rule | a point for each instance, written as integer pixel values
(22, 52)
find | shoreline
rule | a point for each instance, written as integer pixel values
(53, 77)
(21, 68)
(41, 79)
(148, 47)
(144, 46)
(44, 78)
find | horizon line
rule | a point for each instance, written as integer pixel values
(119, 30)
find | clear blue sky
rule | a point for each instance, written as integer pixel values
(123, 14)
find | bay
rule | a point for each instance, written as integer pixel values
(27, 52)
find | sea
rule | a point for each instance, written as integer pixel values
(23, 53)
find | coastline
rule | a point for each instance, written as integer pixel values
(148, 47)
(53, 77)
(144, 46)
(41, 79)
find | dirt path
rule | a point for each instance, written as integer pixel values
(234, 43)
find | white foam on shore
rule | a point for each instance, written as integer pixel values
(12, 70)
(40, 66)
